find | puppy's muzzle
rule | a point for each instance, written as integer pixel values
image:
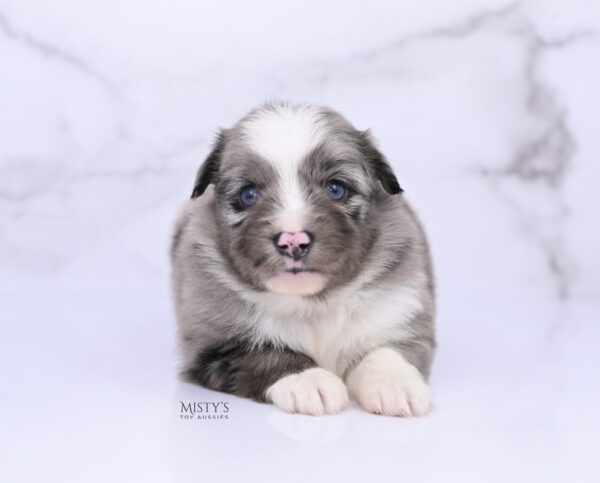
(293, 245)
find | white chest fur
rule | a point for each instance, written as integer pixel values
(342, 329)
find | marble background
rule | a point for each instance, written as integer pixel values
(489, 112)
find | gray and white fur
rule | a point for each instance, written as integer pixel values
(285, 293)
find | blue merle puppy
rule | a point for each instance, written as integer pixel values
(300, 272)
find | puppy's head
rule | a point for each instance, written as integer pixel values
(298, 192)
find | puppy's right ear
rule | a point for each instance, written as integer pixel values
(210, 167)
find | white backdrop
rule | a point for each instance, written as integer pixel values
(487, 110)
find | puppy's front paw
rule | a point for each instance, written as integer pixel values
(394, 396)
(384, 383)
(314, 391)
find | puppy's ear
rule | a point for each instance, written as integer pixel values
(209, 169)
(381, 168)
(385, 174)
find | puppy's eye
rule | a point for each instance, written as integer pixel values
(249, 195)
(336, 189)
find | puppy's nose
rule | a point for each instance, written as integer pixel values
(293, 245)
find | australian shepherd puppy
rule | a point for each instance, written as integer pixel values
(300, 272)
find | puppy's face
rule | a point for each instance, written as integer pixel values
(297, 192)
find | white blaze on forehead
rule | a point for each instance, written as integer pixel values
(284, 135)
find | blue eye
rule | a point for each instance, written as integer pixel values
(336, 189)
(249, 195)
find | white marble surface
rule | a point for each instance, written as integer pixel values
(489, 113)
(88, 394)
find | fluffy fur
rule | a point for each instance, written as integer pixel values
(359, 307)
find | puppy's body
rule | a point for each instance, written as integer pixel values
(355, 305)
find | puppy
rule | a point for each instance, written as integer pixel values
(300, 272)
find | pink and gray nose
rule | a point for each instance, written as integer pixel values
(293, 245)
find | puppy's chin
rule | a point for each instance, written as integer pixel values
(302, 283)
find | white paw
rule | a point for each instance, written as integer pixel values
(314, 391)
(394, 396)
(385, 383)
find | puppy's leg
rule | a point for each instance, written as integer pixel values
(289, 379)
(313, 391)
(384, 382)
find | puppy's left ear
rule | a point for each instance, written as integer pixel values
(380, 166)
(209, 169)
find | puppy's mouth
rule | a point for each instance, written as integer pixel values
(296, 281)
(300, 270)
